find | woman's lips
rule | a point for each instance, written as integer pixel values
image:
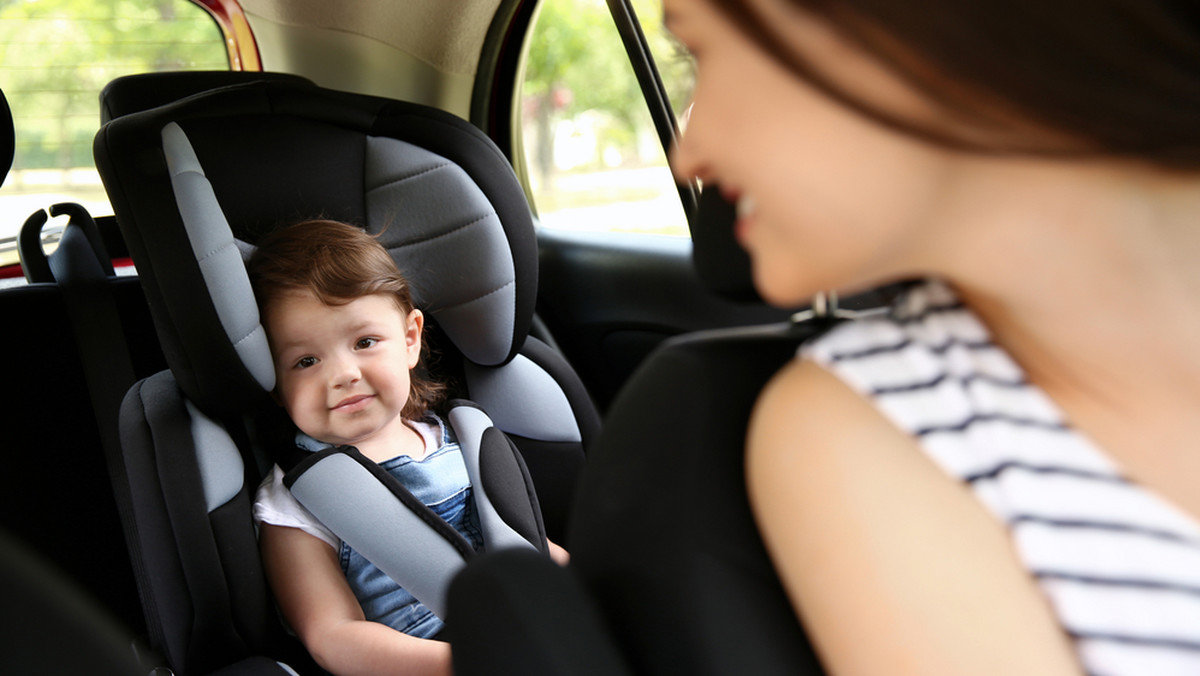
(745, 214)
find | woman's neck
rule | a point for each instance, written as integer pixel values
(1089, 276)
(1097, 297)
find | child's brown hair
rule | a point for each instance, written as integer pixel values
(337, 263)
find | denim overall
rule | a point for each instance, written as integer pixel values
(439, 481)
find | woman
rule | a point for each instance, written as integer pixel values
(1000, 475)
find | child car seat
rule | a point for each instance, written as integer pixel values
(194, 183)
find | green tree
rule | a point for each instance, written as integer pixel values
(576, 62)
(56, 56)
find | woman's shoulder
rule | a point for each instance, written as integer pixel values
(865, 528)
(806, 406)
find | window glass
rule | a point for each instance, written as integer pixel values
(55, 57)
(593, 156)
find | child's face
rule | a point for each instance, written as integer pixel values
(343, 370)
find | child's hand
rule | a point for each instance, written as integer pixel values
(558, 554)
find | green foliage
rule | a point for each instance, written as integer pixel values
(56, 56)
(577, 63)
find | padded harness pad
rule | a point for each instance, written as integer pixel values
(376, 515)
(362, 505)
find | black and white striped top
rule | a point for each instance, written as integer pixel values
(1120, 565)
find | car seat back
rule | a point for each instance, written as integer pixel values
(664, 548)
(690, 588)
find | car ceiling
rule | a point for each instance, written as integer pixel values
(418, 50)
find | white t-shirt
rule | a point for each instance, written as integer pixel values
(274, 503)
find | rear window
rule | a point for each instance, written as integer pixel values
(55, 57)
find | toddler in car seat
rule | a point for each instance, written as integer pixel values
(345, 340)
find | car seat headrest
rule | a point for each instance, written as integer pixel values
(143, 91)
(721, 263)
(8, 138)
(195, 183)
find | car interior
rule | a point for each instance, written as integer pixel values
(621, 366)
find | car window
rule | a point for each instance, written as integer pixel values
(55, 57)
(593, 158)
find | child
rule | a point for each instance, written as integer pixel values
(345, 339)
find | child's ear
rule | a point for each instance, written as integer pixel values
(412, 336)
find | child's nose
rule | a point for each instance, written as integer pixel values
(346, 373)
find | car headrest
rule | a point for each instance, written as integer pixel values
(143, 91)
(8, 138)
(196, 182)
(721, 263)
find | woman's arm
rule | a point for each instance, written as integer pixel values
(894, 567)
(319, 606)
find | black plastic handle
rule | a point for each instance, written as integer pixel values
(33, 257)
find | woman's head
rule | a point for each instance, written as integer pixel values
(847, 129)
(1104, 77)
(335, 263)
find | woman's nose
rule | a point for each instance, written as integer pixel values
(682, 159)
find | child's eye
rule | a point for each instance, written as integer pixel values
(365, 342)
(305, 362)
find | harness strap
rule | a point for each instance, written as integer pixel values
(375, 514)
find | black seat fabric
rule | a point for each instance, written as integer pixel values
(663, 532)
(194, 184)
(8, 139)
(662, 536)
(48, 625)
(57, 499)
(143, 91)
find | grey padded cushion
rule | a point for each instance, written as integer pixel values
(449, 242)
(221, 470)
(351, 502)
(218, 255)
(542, 411)
(470, 424)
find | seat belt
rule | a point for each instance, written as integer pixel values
(375, 514)
(82, 269)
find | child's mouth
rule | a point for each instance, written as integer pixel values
(353, 404)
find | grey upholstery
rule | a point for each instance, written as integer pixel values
(218, 256)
